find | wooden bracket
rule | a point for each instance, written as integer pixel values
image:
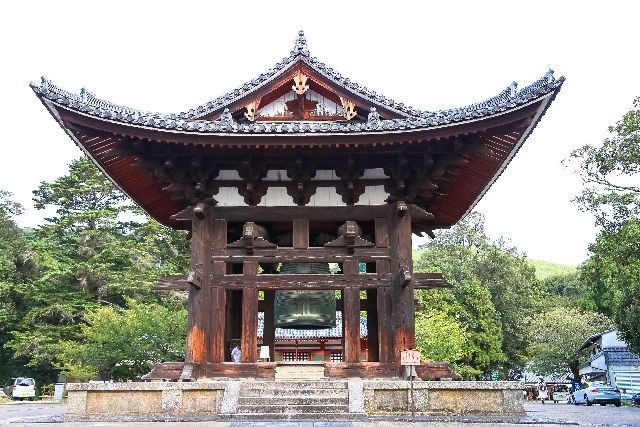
(349, 237)
(199, 210)
(253, 236)
(194, 278)
(403, 278)
(401, 208)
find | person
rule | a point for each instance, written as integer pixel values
(542, 390)
(236, 353)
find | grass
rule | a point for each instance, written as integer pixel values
(544, 269)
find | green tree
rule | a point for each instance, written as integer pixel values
(610, 171)
(125, 343)
(613, 275)
(557, 335)
(496, 291)
(612, 194)
(17, 268)
(97, 250)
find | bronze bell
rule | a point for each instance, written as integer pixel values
(305, 309)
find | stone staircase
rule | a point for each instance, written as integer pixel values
(317, 400)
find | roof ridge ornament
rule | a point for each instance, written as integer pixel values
(226, 117)
(373, 116)
(300, 47)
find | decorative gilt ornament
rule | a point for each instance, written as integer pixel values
(349, 108)
(300, 83)
(252, 108)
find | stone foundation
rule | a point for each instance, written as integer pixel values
(219, 399)
(444, 397)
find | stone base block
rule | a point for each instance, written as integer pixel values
(215, 400)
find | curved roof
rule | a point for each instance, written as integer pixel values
(191, 121)
(469, 146)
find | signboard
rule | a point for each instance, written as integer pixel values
(410, 358)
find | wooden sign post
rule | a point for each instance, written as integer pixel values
(411, 358)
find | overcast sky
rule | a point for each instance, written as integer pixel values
(169, 57)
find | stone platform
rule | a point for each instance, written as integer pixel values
(352, 399)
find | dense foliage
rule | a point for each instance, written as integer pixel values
(611, 276)
(97, 251)
(494, 298)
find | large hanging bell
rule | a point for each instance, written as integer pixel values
(305, 309)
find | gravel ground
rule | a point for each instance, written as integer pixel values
(51, 414)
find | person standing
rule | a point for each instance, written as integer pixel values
(236, 353)
(542, 390)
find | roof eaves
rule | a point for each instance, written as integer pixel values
(89, 104)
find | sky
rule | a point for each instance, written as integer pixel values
(172, 56)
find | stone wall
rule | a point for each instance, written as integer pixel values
(443, 397)
(154, 400)
(140, 399)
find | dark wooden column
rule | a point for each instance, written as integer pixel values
(269, 329)
(401, 265)
(217, 347)
(373, 353)
(351, 316)
(383, 297)
(199, 304)
(250, 316)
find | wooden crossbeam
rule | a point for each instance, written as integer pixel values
(304, 281)
(327, 254)
(310, 213)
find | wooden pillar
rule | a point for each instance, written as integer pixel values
(199, 303)
(269, 329)
(249, 316)
(401, 265)
(383, 297)
(217, 328)
(373, 354)
(301, 233)
(351, 316)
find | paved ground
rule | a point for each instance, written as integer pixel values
(50, 414)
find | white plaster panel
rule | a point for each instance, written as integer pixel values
(229, 196)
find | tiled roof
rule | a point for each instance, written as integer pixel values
(620, 356)
(335, 332)
(190, 122)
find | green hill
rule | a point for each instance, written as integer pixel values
(545, 269)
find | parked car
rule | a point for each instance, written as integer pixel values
(636, 399)
(23, 388)
(600, 393)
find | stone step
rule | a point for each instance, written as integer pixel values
(291, 409)
(293, 400)
(310, 416)
(268, 392)
(293, 385)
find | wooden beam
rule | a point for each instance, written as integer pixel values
(351, 315)
(301, 233)
(385, 337)
(199, 303)
(249, 344)
(373, 351)
(402, 306)
(269, 329)
(178, 282)
(327, 254)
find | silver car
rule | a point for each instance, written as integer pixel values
(600, 393)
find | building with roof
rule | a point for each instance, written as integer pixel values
(312, 344)
(610, 361)
(302, 165)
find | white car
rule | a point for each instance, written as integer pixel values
(600, 393)
(24, 388)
